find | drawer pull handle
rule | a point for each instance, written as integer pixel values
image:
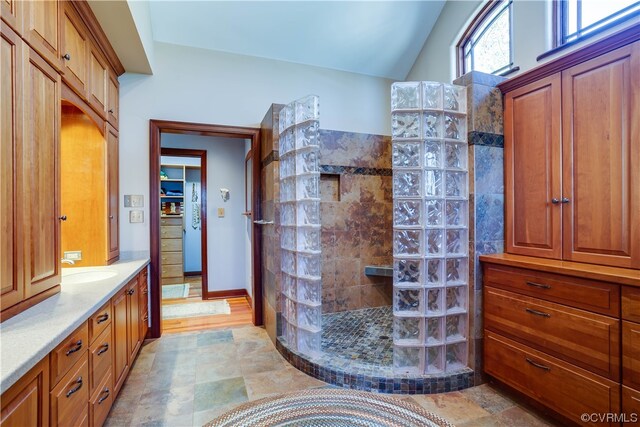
(76, 388)
(77, 347)
(105, 397)
(537, 313)
(537, 365)
(103, 348)
(102, 318)
(538, 285)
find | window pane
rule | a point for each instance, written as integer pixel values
(572, 16)
(492, 49)
(595, 10)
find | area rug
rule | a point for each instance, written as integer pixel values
(175, 291)
(329, 407)
(196, 309)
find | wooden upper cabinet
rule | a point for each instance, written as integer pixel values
(113, 230)
(11, 13)
(11, 285)
(98, 81)
(601, 159)
(74, 49)
(113, 101)
(532, 168)
(39, 169)
(40, 29)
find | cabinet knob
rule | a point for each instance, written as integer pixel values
(62, 218)
(111, 111)
(565, 200)
(110, 216)
(66, 56)
(555, 201)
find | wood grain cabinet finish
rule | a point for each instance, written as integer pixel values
(631, 354)
(601, 159)
(133, 331)
(70, 397)
(143, 295)
(532, 169)
(120, 339)
(631, 404)
(113, 194)
(100, 360)
(26, 403)
(11, 13)
(98, 81)
(572, 163)
(74, 44)
(41, 30)
(11, 51)
(563, 387)
(100, 321)
(101, 402)
(113, 101)
(588, 340)
(631, 303)
(68, 352)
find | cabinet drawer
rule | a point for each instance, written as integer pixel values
(101, 401)
(565, 388)
(631, 354)
(69, 352)
(631, 403)
(69, 399)
(169, 258)
(585, 339)
(100, 359)
(631, 303)
(99, 322)
(171, 245)
(172, 270)
(171, 232)
(171, 221)
(600, 297)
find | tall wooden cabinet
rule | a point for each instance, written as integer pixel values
(572, 163)
(47, 48)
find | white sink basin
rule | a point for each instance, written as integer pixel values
(87, 276)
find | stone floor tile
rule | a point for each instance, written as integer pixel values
(222, 352)
(490, 421)
(215, 371)
(488, 398)
(200, 418)
(519, 416)
(262, 362)
(214, 337)
(271, 383)
(249, 333)
(216, 393)
(157, 406)
(453, 406)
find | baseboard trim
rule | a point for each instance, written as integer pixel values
(229, 293)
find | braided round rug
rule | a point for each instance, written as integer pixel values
(329, 407)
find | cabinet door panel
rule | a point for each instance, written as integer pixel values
(134, 320)
(40, 176)
(75, 43)
(601, 159)
(11, 13)
(26, 403)
(120, 353)
(40, 29)
(631, 354)
(113, 101)
(113, 230)
(532, 169)
(11, 51)
(99, 79)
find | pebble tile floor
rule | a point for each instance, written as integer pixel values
(168, 386)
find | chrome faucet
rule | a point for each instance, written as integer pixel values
(67, 261)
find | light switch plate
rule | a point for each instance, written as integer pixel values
(220, 212)
(133, 201)
(136, 216)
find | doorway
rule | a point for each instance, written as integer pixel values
(234, 135)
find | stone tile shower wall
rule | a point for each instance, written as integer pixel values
(430, 227)
(300, 241)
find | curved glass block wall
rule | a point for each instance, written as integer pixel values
(300, 225)
(430, 230)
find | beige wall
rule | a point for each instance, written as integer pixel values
(531, 37)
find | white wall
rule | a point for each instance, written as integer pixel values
(196, 85)
(227, 260)
(248, 228)
(531, 37)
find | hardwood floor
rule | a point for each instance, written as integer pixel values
(240, 316)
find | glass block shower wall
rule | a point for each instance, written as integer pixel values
(430, 230)
(300, 225)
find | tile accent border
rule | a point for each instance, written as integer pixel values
(353, 170)
(486, 139)
(273, 156)
(359, 379)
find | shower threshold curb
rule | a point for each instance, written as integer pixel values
(377, 380)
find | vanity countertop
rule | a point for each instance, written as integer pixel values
(29, 336)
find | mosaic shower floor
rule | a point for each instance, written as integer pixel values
(357, 352)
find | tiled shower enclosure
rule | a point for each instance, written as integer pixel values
(300, 225)
(430, 227)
